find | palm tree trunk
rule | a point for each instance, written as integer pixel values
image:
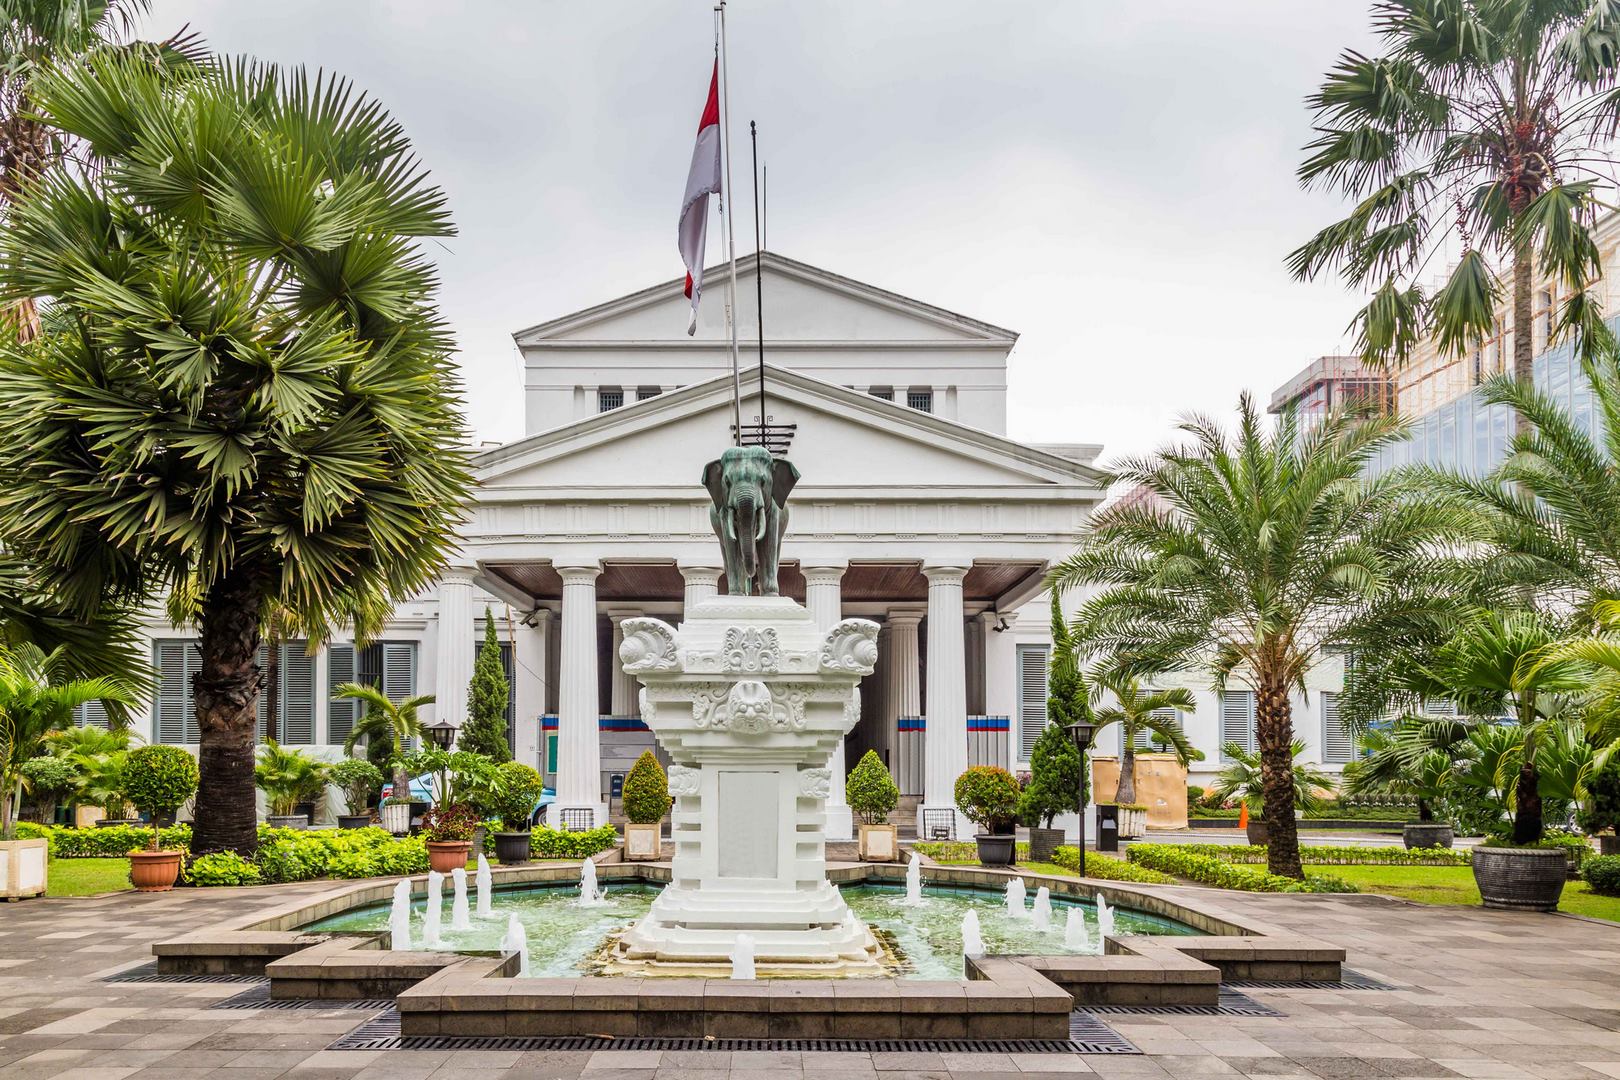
(1527, 819)
(1524, 330)
(10, 797)
(1274, 731)
(1125, 793)
(226, 691)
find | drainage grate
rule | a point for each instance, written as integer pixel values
(258, 997)
(1088, 1035)
(148, 973)
(1231, 1003)
(1348, 980)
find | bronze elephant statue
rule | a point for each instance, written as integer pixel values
(749, 489)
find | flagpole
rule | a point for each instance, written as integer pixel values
(759, 278)
(726, 223)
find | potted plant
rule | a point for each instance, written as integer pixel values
(392, 724)
(520, 794)
(646, 801)
(986, 793)
(872, 795)
(287, 778)
(1411, 758)
(158, 780)
(1240, 779)
(1054, 788)
(48, 780)
(449, 831)
(359, 780)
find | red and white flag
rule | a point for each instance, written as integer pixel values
(702, 181)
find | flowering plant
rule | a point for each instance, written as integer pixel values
(458, 821)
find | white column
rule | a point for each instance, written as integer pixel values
(456, 645)
(529, 690)
(903, 673)
(947, 691)
(1000, 662)
(702, 583)
(824, 599)
(625, 687)
(579, 750)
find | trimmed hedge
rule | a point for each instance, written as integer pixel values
(113, 842)
(1107, 868)
(1208, 870)
(558, 844)
(1337, 855)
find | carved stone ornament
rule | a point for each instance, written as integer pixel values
(850, 647)
(684, 781)
(815, 783)
(649, 645)
(750, 710)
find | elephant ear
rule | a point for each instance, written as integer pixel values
(783, 477)
(713, 479)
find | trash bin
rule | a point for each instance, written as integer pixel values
(1107, 827)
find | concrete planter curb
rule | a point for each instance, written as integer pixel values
(24, 867)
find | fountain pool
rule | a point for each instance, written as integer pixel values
(566, 938)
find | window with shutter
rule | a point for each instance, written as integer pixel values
(90, 714)
(1032, 661)
(176, 717)
(341, 713)
(921, 400)
(1440, 707)
(1338, 746)
(399, 670)
(297, 694)
(1144, 738)
(1237, 719)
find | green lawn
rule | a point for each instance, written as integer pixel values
(1455, 885)
(86, 877)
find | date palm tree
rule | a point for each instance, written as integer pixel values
(1134, 710)
(1483, 125)
(243, 397)
(385, 721)
(1253, 552)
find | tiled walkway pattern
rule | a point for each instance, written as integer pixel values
(1485, 994)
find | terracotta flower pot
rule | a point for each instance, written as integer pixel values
(154, 871)
(446, 855)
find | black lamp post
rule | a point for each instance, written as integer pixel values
(443, 735)
(1082, 732)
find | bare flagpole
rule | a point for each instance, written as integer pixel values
(726, 222)
(759, 279)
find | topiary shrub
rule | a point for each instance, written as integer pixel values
(47, 780)
(985, 793)
(359, 780)
(1602, 874)
(870, 791)
(1054, 779)
(646, 791)
(159, 779)
(521, 788)
(484, 731)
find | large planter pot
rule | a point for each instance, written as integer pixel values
(1257, 831)
(353, 821)
(396, 817)
(447, 855)
(878, 843)
(1043, 843)
(287, 821)
(996, 850)
(643, 841)
(23, 868)
(512, 848)
(117, 823)
(1524, 879)
(1426, 834)
(154, 871)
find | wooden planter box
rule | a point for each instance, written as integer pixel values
(643, 843)
(23, 868)
(878, 843)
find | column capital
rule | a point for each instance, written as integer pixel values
(946, 570)
(458, 575)
(701, 571)
(904, 616)
(578, 573)
(823, 566)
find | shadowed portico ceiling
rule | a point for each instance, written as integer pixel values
(863, 582)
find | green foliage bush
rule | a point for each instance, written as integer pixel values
(521, 788)
(1208, 870)
(159, 779)
(288, 777)
(1338, 855)
(1107, 868)
(449, 824)
(222, 868)
(646, 791)
(359, 780)
(48, 777)
(986, 793)
(870, 791)
(1054, 778)
(547, 843)
(1602, 873)
(487, 696)
(112, 842)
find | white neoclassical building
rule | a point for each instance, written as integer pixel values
(915, 509)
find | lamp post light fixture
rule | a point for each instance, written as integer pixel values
(1081, 732)
(443, 735)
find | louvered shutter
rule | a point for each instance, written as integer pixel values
(176, 661)
(90, 714)
(1032, 662)
(341, 713)
(399, 674)
(1440, 707)
(1337, 745)
(1144, 738)
(261, 711)
(1237, 719)
(297, 694)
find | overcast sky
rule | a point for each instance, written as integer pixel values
(1113, 180)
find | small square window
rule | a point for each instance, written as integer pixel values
(921, 400)
(645, 392)
(884, 392)
(608, 400)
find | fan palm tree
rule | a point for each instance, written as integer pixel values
(1483, 126)
(1134, 711)
(385, 721)
(37, 697)
(1412, 757)
(244, 397)
(1244, 778)
(1251, 554)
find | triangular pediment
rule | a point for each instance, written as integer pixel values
(841, 440)
(803, 305)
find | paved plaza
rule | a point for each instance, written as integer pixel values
(1481, 994)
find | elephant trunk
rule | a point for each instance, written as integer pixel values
(748, 525)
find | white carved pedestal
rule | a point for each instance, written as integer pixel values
(750, 699)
